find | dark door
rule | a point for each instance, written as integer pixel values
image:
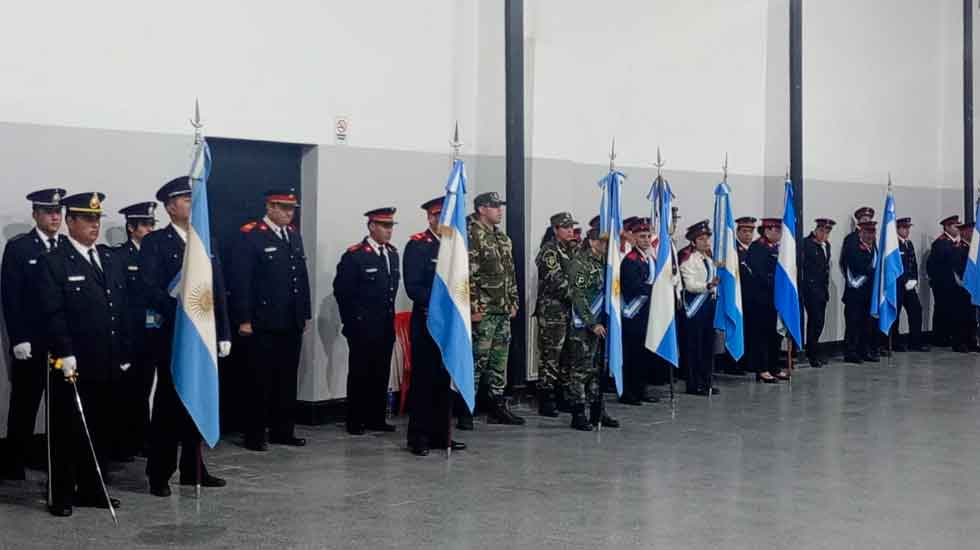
(241, 172)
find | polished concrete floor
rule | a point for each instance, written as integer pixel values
(862, 457)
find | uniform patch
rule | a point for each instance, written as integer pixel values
(32, 262)
(133, 267)
(76, 278)
(271, 248)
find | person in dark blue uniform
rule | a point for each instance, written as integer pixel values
(816, 286)
(161, 259)
(763, 255)
(640, 365)
(133, 390)
(700, 278)
(939, 267)
(430, 397)
(852, 239)
(25, 327)
(859, 266)
(744, 234)
(82, 302)
(908, 295)
(365, 288)
(270, 299)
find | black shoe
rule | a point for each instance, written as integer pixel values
(501, 414)
(781, 376)
(961, 349)
(94, 501)
(355, 429)
(597, 412)
(292, 441)
(382, 427)
(853, 359)
(651, 398)
(256, 445)
(884, 353)
(546, 404)
(418, 449)
(162, 490)
(60, 510)
(465, 422)
(207, 480)
(579, 420)
(453, 444)
(770, 380)
(871, 358)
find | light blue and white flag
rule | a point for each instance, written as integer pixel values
(971, 277)
(728, 313)
(661, 337)
(611, 223)
(888, 268)
(449, 302)
(195, 358)
(786, 295)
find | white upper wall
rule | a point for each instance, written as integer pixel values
(688, 75)
(402, 71)
(882, 91)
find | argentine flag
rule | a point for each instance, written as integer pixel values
(611, 223)
(195, 358)
(449, 301)
(786, 295)
(728, 314)
(884, 302)
(971, 278)
(661, 337)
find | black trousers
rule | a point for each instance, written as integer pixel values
(964, 321)
(700, 347)
(430, 397)
(369, 369)
(132, 393)
(816, 313)
(170, 426)
(909, 300)
(273, 361)
(763, 339)
(942, 327)
(72, 468)
(638, 361)
(26, 389)
(858, 328)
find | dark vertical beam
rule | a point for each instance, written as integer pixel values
(796, 109)
(515, 191)
(968, 110)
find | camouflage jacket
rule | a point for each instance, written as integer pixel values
(493, 282)
(554, 290)
(587, 273)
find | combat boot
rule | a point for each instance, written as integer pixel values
(596, 410)
(579, 421)
(501, 414)
(546, 404)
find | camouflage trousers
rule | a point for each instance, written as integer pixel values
(553, 328)
(491, 345)
(582, 383)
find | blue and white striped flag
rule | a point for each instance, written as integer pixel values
(888, 268)
(611, 223)
(786, 295)
(449, 302)
(728, 313)
(971, 278)
(195, 359)
(661, 337)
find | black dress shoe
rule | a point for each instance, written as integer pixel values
(961, 349)
(292, 441)
(419, 450)
(160, 490)
(94, 501)
(60, 510)
(257, 446)
(355, 429)
(383, 427)
(770, 380)
(207, 480)
(650, 398)
(782, 376)
(871, 358)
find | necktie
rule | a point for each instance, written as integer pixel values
(384, 253)
(284, 234)
(94, 262)
(52, 243)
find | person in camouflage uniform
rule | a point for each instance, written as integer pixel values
(493, 302)
(586, 275)
(553, 308)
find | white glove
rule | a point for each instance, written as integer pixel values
(22, 351)
(224, 348)
(124, 367)
(909, 285)
(69, 365)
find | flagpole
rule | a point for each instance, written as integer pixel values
(456, 145)
(897, 312)
(605, 356)
(660, 181)
(197, 125)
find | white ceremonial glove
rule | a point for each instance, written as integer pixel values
(69, 365)
(224, 348)
(911, 284)
(124, 367)
(22, 351)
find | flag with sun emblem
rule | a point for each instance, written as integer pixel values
(195, 357)
(611, 224)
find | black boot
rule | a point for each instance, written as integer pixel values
(501, 414)
(579, 421)
(546, 404)
(597, 411)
